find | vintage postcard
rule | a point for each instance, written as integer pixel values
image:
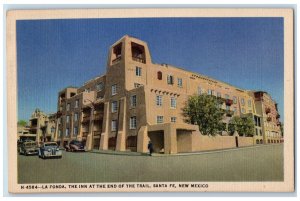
(150, 100)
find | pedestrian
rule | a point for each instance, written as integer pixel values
(150, 148)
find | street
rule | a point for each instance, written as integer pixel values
(258, 163)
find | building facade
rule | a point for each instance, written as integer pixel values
(41, 127)
(138, 100)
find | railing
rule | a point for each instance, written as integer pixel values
(96, 133)
(85, 134)
(33, 128)
(98, 115)
(139, 59)
(86, 118)
(116, 60)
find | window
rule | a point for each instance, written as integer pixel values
(227, 107)
(59, 133)
(242, 101)
(256, 131)
(243, 110)
(179, 82)
(159, 119)
(132, 123)
(209, 92)
(137, 85)
(226, 96)
(114, 89)
(113, 125)
(76, 117)
(133, 101)
(234, 100)
(87, 90)
(76, 103)
(68, 119)
(59, 120)
(52, 130)
(75, 132)
(67, 132)
(234, 110)
(68, 106)
(170, 79)
(159, 75)
(199, 91)
(249, 103)
(219, 94)
(138, 71)
(99, 86)
(173, 119)
(159, 100)
(173, 102)
(114, 106)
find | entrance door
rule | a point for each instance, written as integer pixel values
(157, 139)
(236, 141)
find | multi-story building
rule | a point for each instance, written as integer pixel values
(41, 126)
(138, 100)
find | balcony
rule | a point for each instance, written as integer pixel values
(97, 133)
(85, 119)
(99, 95)
(98, 116)
(138, 59)
(116, 60)
(268, 110)
(33, 128)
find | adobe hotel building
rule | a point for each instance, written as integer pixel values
(137, 101)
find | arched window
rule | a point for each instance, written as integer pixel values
(257, 141)
(159, 75)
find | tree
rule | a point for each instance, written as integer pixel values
(22, 123)
(244, 126)
(282, 129)
(204, 111)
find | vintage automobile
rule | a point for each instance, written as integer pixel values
(75, 145)
(50, 150)
(28, 148)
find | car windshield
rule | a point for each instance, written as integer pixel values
(30, 144)
(50, 145)
(77, 142)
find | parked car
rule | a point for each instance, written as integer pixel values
(75, 145)
(28, 148)
(50, 150)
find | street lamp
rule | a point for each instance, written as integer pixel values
(90, 137)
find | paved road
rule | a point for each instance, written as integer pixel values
(260, 163)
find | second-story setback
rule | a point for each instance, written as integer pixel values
(138, 100)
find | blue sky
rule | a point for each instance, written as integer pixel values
(53, 54)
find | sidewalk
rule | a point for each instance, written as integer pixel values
(129, 153)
